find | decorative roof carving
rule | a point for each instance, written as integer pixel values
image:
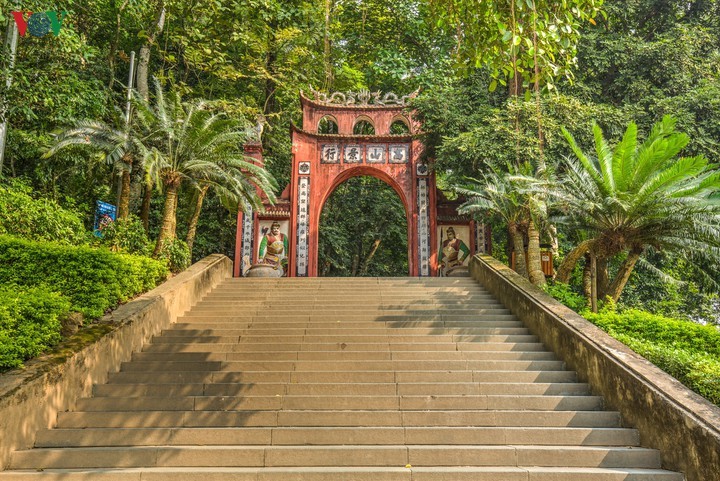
(362, 98)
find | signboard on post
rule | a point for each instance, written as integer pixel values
(104, 214)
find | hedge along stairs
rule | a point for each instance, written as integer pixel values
(342, 380)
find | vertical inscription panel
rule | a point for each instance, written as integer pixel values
(246, 249)
(479, 238)
(303, 223)
(423, 227)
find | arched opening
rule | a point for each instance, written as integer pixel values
(363, 127)
(363, 231)
(327, 125)
(399, 127)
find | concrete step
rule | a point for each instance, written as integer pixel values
(329, 295)
(290, 348)
(356, 473)
(352, 303)
(347, 455)
(350, 339)
(316, 389)
(277, 315)
(317, 418)
(267, 329)
(308, 322)
(355, 316)
(332, 436)
(345, 366)
(134, 377)
(327, 402)
(346, 356)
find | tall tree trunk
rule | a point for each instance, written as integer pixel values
(626, 268)
(124, 204)
(571, 259)
(114, 44)
(603, 280)
(327, 57)
(354, 267)
(538, 103)
(192, 227)
(270, 106)
(534, 262)
(145, 209)
(587, 279)
(167, 230)
(144, 62)
(519, 249)
(174, 219)
(366, 262)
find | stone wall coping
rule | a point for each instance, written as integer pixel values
(30, 398)
(683, 425)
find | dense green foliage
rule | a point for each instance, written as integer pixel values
(41, 219)
(363, 231)
(564, 293)
(688, 351)
(30, 321)
(93, 279)
(126, 235)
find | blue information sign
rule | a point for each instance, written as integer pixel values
(104, 214)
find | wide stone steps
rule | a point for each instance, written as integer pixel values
(342, 380)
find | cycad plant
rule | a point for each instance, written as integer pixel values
(638, 196)
(195, 146)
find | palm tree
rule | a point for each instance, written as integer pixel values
(500, 194)
(120, 141)
(635, 197)
(191, 144)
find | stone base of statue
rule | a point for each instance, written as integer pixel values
(264, 270)
(458, 271)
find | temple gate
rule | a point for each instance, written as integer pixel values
(345, 135)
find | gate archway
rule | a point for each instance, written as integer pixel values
(363, 230)
(321, 162)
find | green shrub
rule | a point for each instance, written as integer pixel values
(30, 322)
(37, 219)
(688, 351)
(126, 235)
(564, 294)
(659, 329)
(697, 370)
(177, 255)
(93, 279)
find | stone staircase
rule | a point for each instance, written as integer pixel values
(342, 380)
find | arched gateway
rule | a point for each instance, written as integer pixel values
(370, 135)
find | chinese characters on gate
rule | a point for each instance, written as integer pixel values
(368, 154)
(302, 227)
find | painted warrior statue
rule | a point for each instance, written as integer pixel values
(450, 252)
(274, 247)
